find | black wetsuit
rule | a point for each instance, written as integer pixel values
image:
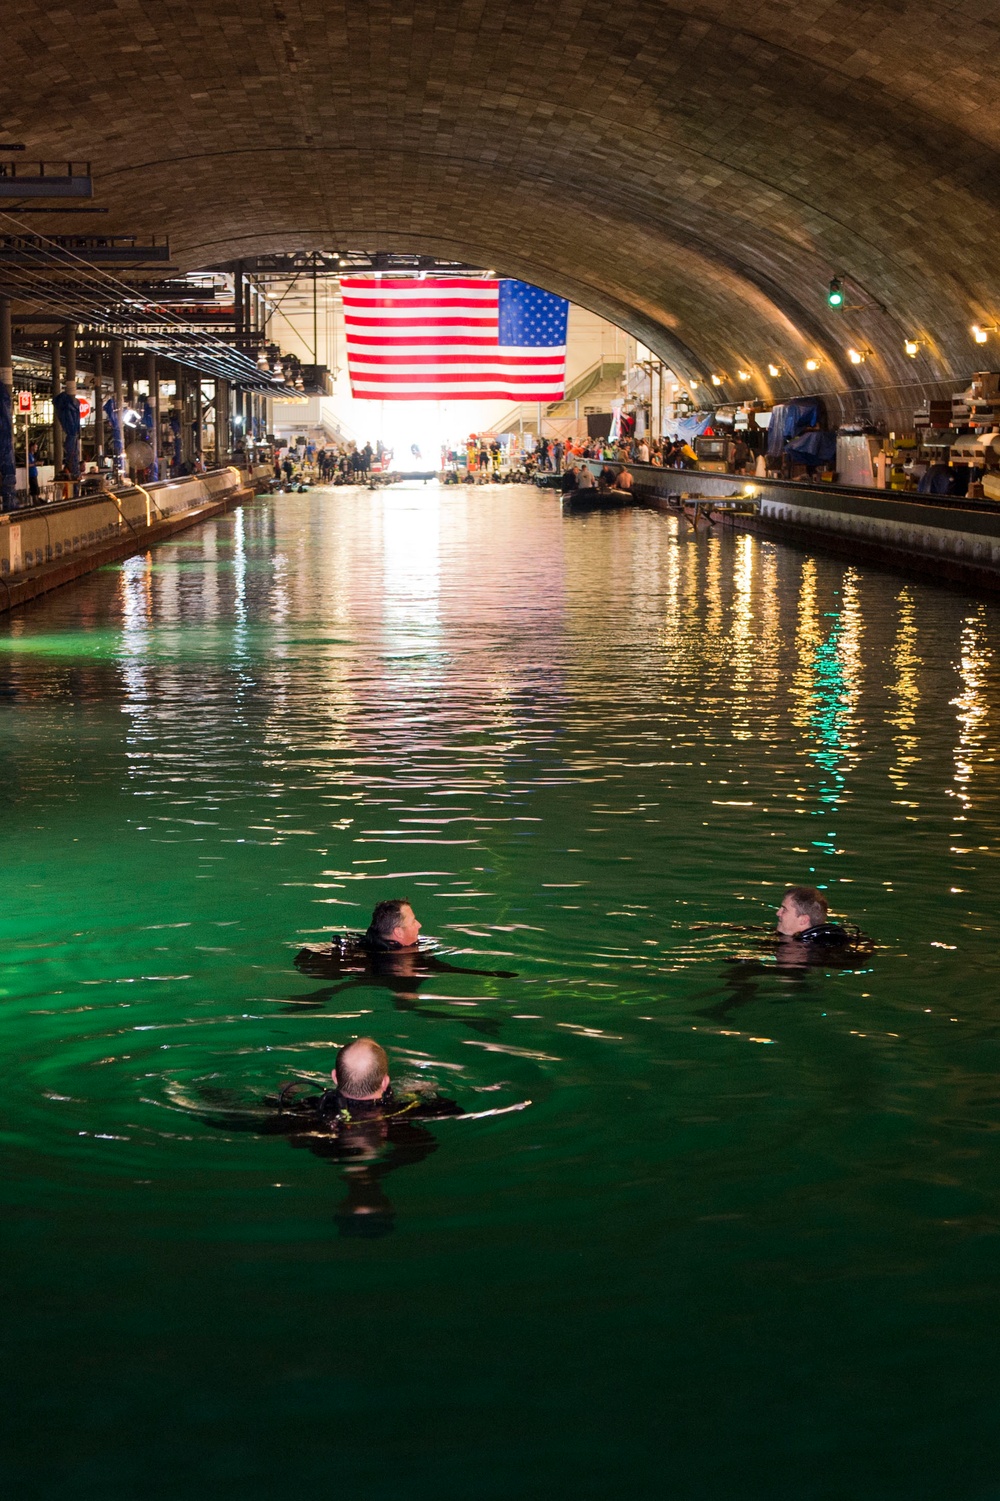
(365, 959)
(369, 1139)
(826, 946)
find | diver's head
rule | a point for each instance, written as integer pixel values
(393, 922)
(801, 907)
(362, 1070)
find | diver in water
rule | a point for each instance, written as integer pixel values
(803, 939)
(388, 954)
(361, 1124)
(806, 936)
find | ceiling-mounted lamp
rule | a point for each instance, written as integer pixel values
(858, 356)
(912, 347)
(774, 371)
(982, 334)
(743, 374)
(812, 364)
(716, 380)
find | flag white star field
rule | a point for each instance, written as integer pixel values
(454, 338)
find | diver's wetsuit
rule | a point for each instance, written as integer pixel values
(826, 946)
(364, 959)
(368, 1138)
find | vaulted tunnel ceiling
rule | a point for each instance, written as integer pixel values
(694, 171)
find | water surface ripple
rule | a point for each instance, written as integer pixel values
(743, 1239)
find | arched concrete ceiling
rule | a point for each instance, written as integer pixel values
(695, 171)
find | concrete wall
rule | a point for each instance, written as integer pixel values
(32, 537)
(958, 540)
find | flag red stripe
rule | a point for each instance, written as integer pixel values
(481, 361)
(433, 341)
(444, 282)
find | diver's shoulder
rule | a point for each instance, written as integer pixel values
(342, 948)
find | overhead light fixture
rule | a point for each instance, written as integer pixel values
(716, 380)
(812, 364)
(855, 356)
(743, 374)
(692, 384)
(773, 371)
(982, 334)
(912, 347)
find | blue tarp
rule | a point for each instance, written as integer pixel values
(68, 411)
(8, 470)
(689, 428)
(815, 448)
(790, 418)
(117, 439)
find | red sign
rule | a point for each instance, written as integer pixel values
(24, 402)
(85, 408)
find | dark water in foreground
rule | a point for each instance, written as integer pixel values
(743, 1240)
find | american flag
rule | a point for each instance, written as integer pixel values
(454, 338)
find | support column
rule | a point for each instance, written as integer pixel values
(8, 464)
(221, 422)
(239, 305)
(179, 404)
(198, 429)
(6, 346)
(99, 406)
(72, 451)
(154, 402)
(116, 377)
(57, 443)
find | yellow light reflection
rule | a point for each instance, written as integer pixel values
(906, 691)
(972, 708)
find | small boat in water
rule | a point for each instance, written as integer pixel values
(597, 500)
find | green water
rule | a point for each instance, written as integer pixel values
(743, 1240)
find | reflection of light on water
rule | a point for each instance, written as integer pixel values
(411, 562)
(741, 638)
(240, 577)
(713, 588)
(827, 690)
(971, 706)
(903, 718)
(135, 592)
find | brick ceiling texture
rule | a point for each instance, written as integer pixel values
(694, 171)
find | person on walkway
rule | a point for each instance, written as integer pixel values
(33, 472)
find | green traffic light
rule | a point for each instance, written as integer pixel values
(835, 296)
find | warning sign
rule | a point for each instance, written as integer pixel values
(24, 402)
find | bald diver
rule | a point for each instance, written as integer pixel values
(802, 940)
(362, 1124)
(388, 954)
